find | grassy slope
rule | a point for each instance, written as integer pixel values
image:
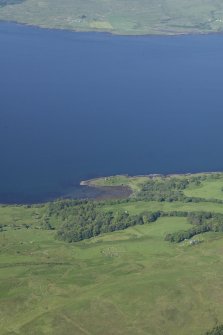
(126, 282)
(152, 206)
(211, 189)
(120, 16)
(17, 215)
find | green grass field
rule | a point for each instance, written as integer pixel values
(153, 206)
(209, 189)
(125, 282)
(118, 16)
(20, 215)
(134, 183)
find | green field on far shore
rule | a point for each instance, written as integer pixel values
(130, 17)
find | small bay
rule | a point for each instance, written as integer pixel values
(75, 106)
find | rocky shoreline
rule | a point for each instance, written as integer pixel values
(105, 192)
(91, 182)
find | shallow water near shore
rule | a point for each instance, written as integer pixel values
(75, 106)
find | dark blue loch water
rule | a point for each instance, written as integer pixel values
(80, 105)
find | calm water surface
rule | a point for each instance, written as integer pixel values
(80, 105)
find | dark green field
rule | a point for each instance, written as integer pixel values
(132, 17)
(129, 281)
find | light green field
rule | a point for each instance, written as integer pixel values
(118, 16)
(127, 282)
(20, 215)
(209, 189)
(138, 207)
(134, 183)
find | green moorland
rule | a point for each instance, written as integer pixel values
(119, 16)
(150, 264)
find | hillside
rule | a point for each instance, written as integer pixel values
(119, 16)
(138, 274)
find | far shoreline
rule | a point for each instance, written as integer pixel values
(113, 33)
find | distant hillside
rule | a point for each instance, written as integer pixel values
(119, 16)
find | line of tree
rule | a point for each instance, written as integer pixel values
(171, 189)
(202, 222)
(86, 224)
(82, 219)
(164, 189)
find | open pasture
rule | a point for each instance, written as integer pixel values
(137, 207)
(127, 282)
(208, 189)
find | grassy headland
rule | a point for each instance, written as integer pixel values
(126, 279)
(166, 17)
